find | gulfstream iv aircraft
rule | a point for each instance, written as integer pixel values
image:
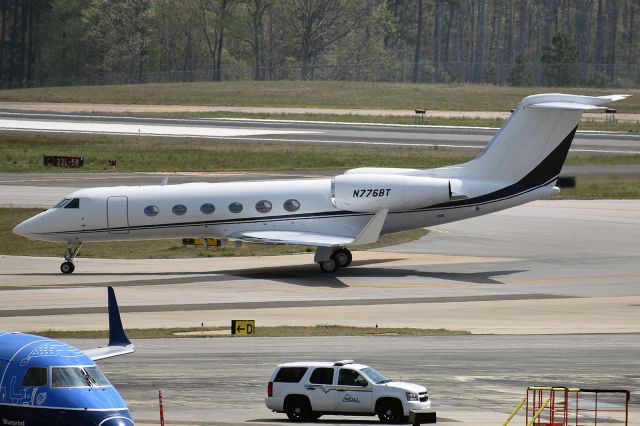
(46, 382)
(521, 163)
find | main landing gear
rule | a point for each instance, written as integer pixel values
(67, 266)
(331, 260)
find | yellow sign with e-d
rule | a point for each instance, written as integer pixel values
(243, 327)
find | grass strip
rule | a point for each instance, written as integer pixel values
(319, 94)
(15, 245)
(22, 153)
(261, 331)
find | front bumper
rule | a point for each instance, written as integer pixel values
(416, 405)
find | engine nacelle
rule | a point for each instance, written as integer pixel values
(369, 193)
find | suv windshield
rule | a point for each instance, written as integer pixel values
(374, 376)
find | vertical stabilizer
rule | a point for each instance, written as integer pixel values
(117, 336)
(533, 143)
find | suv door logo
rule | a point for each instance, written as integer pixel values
(349, 398)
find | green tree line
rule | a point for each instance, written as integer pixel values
(520, 42)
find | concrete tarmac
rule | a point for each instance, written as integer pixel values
(472, 380)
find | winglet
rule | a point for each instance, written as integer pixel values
(117, 336)
(371, 231)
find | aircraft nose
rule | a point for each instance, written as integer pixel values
(27, 227)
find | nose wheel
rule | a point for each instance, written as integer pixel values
(67, 266)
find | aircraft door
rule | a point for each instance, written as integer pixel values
(118, 215)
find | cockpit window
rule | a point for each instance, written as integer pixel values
(62, 203)
(69, 377)
(73, 204)
(35, 376)
(98, 378)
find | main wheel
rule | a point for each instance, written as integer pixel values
(329, 266)
(297, 409)
(390, 412)
(343, 257)
(67, 267)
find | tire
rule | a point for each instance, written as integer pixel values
(342, 257)
(297, 409)
(329, 266)
(67, 267)
(390, 411)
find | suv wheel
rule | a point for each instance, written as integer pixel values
(390, 411)
(297, 409)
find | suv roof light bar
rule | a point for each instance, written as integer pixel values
(343, 362)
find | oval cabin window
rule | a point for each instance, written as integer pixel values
(235, 207)
(207, 208)
(291, 205)
(151, 211)
(179, 209)
(263, 206)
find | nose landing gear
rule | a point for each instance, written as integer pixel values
(67, 266)
(331, 261)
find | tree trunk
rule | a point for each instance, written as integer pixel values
(417, 60)
(510, 41)
(581, 31)
(14, 46)
(599, 41)
(437, 39)
(613, 32)
(30, 48)
(524, 8)
(2, 40)
(447, 38)
(479, 48)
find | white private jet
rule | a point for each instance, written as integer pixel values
(521, 163)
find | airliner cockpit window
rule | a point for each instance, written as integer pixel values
(97, 376)
(35, 376)
(73, 204)
(62, 203)
(69, 377)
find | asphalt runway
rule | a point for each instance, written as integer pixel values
(295, 132)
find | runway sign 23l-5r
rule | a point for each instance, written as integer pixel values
(243, 327)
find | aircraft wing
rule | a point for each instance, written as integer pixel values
(369, 233)
(294, 237)
(119, 343)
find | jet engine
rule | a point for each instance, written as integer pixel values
(369, 193)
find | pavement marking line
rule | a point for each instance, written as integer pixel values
(5, 313)
(594, 277)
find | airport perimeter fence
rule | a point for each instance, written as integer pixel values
(529, 74)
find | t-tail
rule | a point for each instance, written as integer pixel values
(532, 145)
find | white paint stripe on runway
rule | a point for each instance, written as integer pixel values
(137, 129)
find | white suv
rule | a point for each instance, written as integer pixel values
(307, 390)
